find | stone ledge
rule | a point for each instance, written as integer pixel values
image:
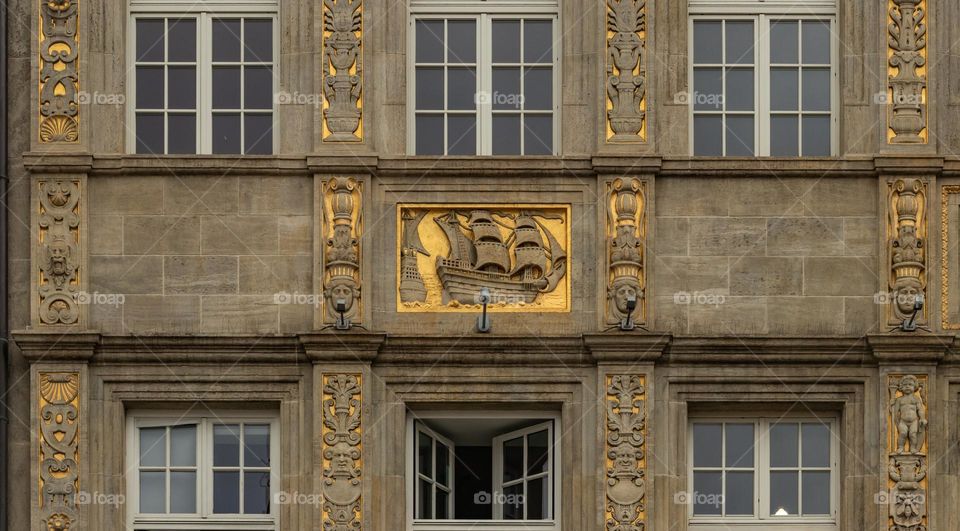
(765, 350)
(42, 346)
(910, 348)
(346, 347)
(478, 349)
(619, 347)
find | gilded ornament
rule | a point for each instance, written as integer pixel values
(626, 248)
(907, 232)
(58, 261)
(342, 462)
(59, 449)
(626, 89)
(625, 452)
(59, 71)
(906, 448)
(342, 227)
(907, 59)
(342, 70)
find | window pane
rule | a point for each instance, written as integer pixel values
(150, 39)
(536, 499)
(506, 134)
(258, 37)
(707, 444)
(707, 42)
(183, 492)
(226, 87)
(182, 93)
(149, 87)
(816, 493)
(443, 464)
(183, 445)
(816, 89)
(538, 453)
(226, 133)
(506, 88)
(506, 41)
(513, 459)
(708, 141)
(429, 134)
(258, 87)
(258, 134)
(708, 89)
(424, 500)
(784, 83)
(462, 41)
(226, 492)
(443, 504)
(784, 444)
(429, 41)
(256, 493)
(707, 493)
(739, 89)
(256, 445)
(783, 493)
(182, 134)
(783, 42)
(538, 134)
(226, 40)
(226, 445)
(153, 492)
(149, 133)
(429, 88)
(425, 454)
(461, 134)
(784, 136)
(739, 443)
(538, 41)
(513, 502)
(183, 41)
(461, 88)
(816, 42)
(739, 136)
(153, 446)
(739, 494)
(740, 42)
(815, 439)
(816, 136)
(538, 88)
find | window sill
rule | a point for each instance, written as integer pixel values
(757, 525)
(485, 525)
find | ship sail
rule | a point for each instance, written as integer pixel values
(531, 256)
(461, 248)
(492, 254)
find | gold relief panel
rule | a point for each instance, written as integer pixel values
(58, 252)
(907, 426)
(907, 72)
(58, 410)
(342, 70)
(907, 250)
(341, 434)
(625, 451)
(59, 115)
(342, 229)
(626, 100)
(447, 254)
(949, 256)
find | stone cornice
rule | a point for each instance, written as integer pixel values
(478, 349)
(909, 349)
(39, 347)
(768, 350)
(626, 348)
(348, 347)
(199, 349)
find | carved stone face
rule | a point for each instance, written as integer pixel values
(908, 386)
(906, 296)
(624, 457)
(341, 458)
(341, 290)
(622, 292)
(59, 251)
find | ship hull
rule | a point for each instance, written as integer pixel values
(464, 285)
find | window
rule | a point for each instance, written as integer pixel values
(763, 78)
(483, 470)
(202, 472)
(203, 78)
(763, 472)
(484, 78)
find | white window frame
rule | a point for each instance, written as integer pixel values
(498, 485)
(762, 12)
(203, 11)
(553, 524)
(204, 518)
(762, 520)
(449, 488)
(484, 12)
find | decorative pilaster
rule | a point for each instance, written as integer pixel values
(57, 255)
(342, 70)
(59, 71)
(342, 227)
(906, 72)
(626, 249)
(906, 448)
(625, 453)
(342, 453)
(58, 408)
(626, 89)
(906, 236)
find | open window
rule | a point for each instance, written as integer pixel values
(469, 471)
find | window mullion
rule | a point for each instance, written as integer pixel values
(763, 75)
(485, 81)
(205, 75)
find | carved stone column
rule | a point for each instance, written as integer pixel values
(906, 237)
(342, 226)
(59, 71)
(58, 447)
(626, 76)
(907, 452)
(342, 70)
(626, 249)
(625, 452)
(58, 251)
(342, 452)
(906, 72)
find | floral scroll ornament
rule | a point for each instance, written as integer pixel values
(907, 453)
(626, 460)
(626, 32)
(908, 56)
(59, 440)
(342, 69)
(59, 255)
(342, 510)
(59, 73)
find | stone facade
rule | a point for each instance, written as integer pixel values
(761, 284)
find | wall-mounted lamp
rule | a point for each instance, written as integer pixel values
(626, 323)
(342, 322)
(910, 324)
(483, 322)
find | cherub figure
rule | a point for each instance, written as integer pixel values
(909, 417)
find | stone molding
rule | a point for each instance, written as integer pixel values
(911, 349)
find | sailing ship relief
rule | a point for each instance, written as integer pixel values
(448, 255)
